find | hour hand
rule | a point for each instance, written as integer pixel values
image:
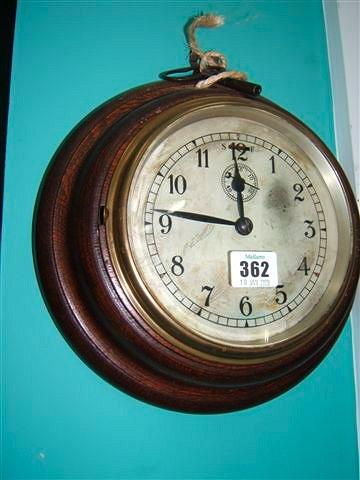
(198, 217)
(238, 183)
(243, 225)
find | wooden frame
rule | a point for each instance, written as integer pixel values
(89, 305)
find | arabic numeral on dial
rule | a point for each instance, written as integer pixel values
(177, 267)
(303, 267)
(166, 223)
(280, 296)
(310, 232)
(298, 188)
(177, 184)
(238, 150)
(203, 158)
(210, 290)
(245, 306)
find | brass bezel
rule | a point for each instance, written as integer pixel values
(125, 265)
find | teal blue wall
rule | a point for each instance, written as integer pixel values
(59, 419)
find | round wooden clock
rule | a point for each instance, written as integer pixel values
(199, 249)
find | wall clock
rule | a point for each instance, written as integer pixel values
(199, 249)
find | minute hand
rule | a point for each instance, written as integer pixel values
(198, 217)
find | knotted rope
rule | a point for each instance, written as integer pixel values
(209, 60)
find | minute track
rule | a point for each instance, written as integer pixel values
(211, 316)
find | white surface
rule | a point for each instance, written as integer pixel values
(342, 26)
(349, 20)
(247, 269)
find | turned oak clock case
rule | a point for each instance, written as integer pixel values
(105, 317)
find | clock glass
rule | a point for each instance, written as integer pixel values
(225, 228)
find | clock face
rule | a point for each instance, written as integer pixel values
(231, 229)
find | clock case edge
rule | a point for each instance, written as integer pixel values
(125, 358)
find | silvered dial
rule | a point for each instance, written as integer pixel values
(232, 228)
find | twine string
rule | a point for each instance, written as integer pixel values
(211, 60)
